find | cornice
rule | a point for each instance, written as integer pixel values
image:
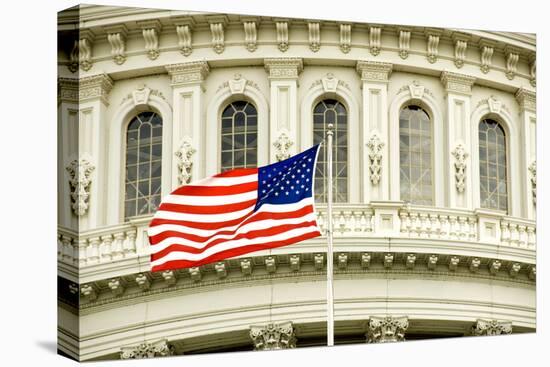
(527, 100)
(85, 89)
(283, 67)
(188, 73)
(374, 71)
(457, 83)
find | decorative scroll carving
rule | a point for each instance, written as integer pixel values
(512, 58)
(387, 329)
(116, 287)
(150, 31)
(460, 52)
(250, 35)
(404, 43)
(487, 50)
(314, 30)
(81, 53)
(273, 336)
(514, 270)
(282, 36)
(375, 145)
(533, 70)
(185, 163)
(374, 40)
(453, 263)
(217, 25)
(345, 38)
(80, 180)
(282, 146)
(160, 348)
(221, 269)
(283, 68)
(474, 264)
(116, 35)
(410, 261)
(460, 155)
(169, 277)
(491, 327)
(533, 170)
(295, 262)
(494, 266)
(185, 39)
(88, 291)
(432, 261)
(246, 266)
(433, 45)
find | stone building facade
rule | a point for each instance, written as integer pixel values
(435, 232)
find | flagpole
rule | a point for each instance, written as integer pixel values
(330, 258)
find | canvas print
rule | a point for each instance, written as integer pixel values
(238, 182)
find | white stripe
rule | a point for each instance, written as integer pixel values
(210, 200)
(281, 208)
(253, 226)
(203, 218)
(178, 255)
(225, 181)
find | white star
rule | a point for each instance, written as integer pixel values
(307, 170)
(268, 185)
(282, 187)
(297, 192)
(287, 182)
(303, 176)
(297, 181)
(309, 160)
(263, 191)
(307, 179)
(303, 165)
(269, 176)
(276, 194)
(292, 176)
(292, 187)
(286, 193)
(263, 182)
(298, 171)
(280, 172)
(307, 188)
(302, 186)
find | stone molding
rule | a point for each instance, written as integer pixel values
(151, 31)
(345, 38)
(184, 154)
(188, 73)
(283, 68)
(457, 83)
(375, 145)
(460, 154)
(527, 100)
(217, 29)
(80, 171)
(533, 170)
(116, 36)
(273, 336)
(145, 350)
(374, 71)
(92, 87)
(386, 329)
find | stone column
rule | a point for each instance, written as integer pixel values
(188, 137)
(273, 336)
(386, 329)
(159, 348)
(283, 78)
(528, 114)
(82, 150)
(491, 327)
(376, 179)
(458, 140)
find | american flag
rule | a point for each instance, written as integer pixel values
(235, 213)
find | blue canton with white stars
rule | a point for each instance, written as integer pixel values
(288, 181)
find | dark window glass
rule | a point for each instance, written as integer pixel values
(492, 165)
(239, 140)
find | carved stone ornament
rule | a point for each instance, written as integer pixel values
(283, 68)
(404, 43)
(512, 58)
(282, 146)
(460, 155)
(416, 90)
(237, 85)
(141, 96)
(185, 39)
(160, 348)
(491, 327)
(314, 36)
(433, 46)
(185, 163)
(533, 170)
(374, 71)
(116, 36)
(273, 336)
(80, 180)
(345, 38)
(375, 145)
(282, 36)
(250, 35)
(374, 40)
(487, 50)
(494, 104)
(151, 31)
(188, 73)
(81, 53)
(330, 83)
(387, 329)
(218, 33)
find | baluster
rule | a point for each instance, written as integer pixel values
(130, 243)
(514, 234)
(81, 249)
(347, 221)
(341, 222)
(368, 222)
(59, 247)
(462, 230)
(93, 250)
(105, 247)
(531, 237)
(67, 249)
(117, 245)
(357, 221)
(403, 222)
(504, 233)
(415, 225)
(452, 226)
(424, 226)
(321, 222)
(436, 225)
(444, 220)
(522, 240)
(472, 236)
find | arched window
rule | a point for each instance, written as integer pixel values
(143, 164)
(330, 111)
(239, 136)
(492, 165)
(415, 156)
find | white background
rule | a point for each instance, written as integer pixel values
(28, 181)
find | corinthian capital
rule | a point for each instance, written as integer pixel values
(283, 67)
(188, 73)
(491, 327)
(387, 329)
(160, 348)
(273, 336)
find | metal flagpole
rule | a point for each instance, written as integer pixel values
(330, 261)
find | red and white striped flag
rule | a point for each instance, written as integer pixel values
(234, 213)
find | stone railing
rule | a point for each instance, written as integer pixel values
(125, 248)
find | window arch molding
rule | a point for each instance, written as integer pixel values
(117, 149)
(344, 96)
(505, 120)
(219, 102)
(416, 95)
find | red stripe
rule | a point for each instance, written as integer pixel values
(192, 190)
(238, 172)
(178, 264)
(275, 230)
(198, 209)
(220, 225)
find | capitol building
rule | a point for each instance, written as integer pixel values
(434, 179)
